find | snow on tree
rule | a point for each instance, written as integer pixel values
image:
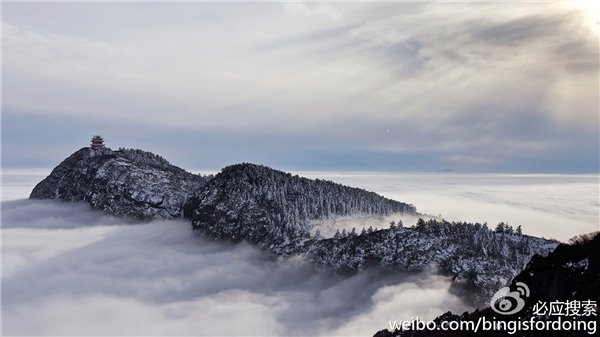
(317, 235)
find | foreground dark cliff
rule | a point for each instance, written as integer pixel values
(279, 213)
(571, 273)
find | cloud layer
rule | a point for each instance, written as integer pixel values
(508, 86)
(68, 270)
(557, 206)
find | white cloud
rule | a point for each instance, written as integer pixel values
(17, 184)
(224, 314)
(254, 66)
(553, 206)
(512, 82)
(72, 271)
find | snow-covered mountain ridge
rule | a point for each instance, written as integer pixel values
(475, 256)
(273, 208)
(278, 212)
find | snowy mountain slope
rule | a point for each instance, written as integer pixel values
(125, 182)
(569, 273)
(475, 256)
(272, 208)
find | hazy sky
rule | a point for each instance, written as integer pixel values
(390, 86)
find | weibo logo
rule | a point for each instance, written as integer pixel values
(506, 302)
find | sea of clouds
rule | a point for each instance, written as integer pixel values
(557, 206)
(71, 270)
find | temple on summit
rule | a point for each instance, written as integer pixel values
(97, 142)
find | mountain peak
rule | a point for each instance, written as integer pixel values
(125, 182)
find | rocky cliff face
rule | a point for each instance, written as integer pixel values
(571, 273)
(125, 182)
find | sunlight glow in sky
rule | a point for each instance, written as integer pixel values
(503, 86)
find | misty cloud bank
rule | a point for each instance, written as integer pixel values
(557, 206)
(69, 270)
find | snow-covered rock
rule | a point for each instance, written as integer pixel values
(125, 182)
(562, 286)
(475, 256)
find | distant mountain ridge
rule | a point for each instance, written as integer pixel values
(277, 211)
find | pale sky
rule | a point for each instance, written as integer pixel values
(492, 87)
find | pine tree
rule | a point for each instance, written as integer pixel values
(420, 226)
(337, 234)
